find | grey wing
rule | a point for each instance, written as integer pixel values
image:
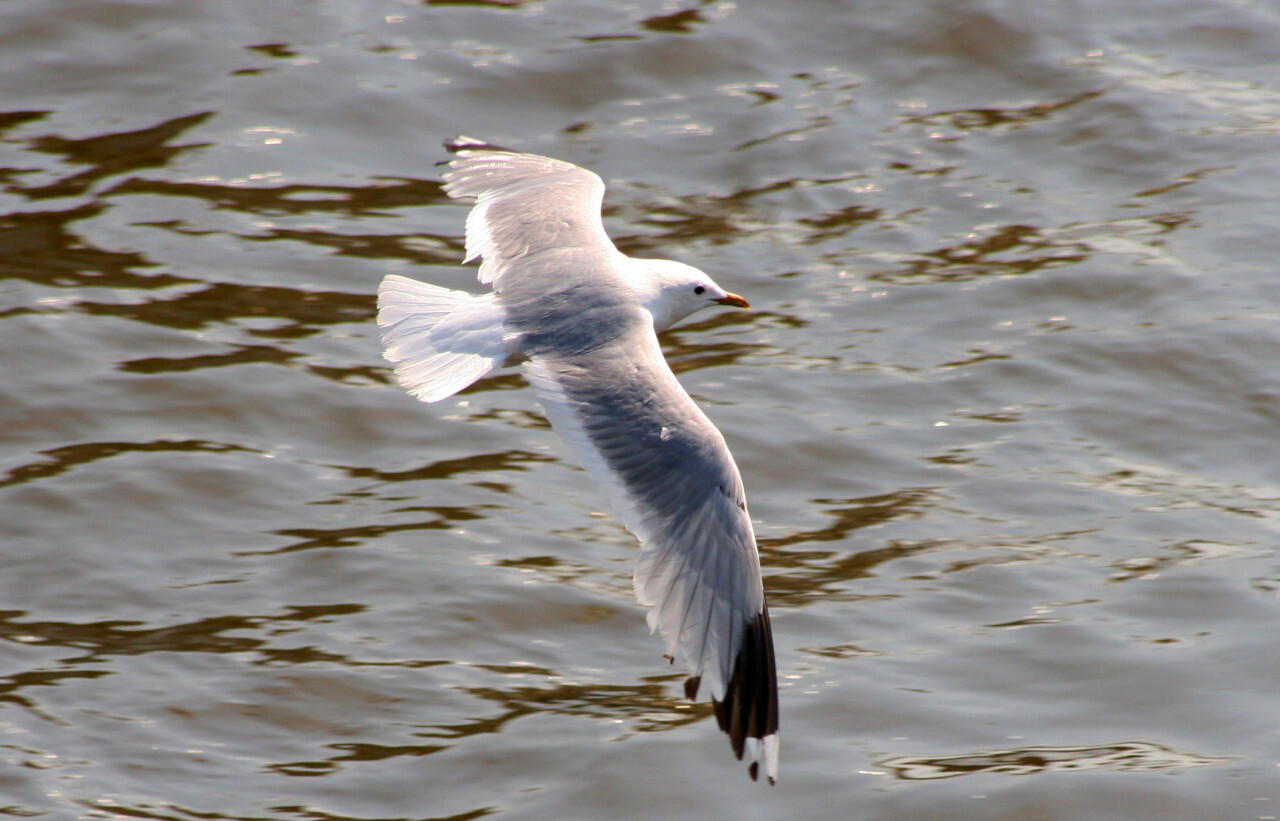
(525, 204)
(668, 474)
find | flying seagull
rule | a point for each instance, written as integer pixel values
(582, 318)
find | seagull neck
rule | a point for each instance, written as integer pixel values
(646, 281)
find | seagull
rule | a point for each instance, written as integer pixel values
(582, 319)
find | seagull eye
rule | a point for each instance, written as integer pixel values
(699, 290)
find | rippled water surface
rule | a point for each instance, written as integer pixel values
(1007, 408)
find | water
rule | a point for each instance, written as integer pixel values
(1006, 408)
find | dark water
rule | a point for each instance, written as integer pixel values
(1007, 409)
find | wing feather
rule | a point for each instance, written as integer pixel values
(525, 205)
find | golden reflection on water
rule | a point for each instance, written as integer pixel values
(1129, 756)
(110, 155)
(59, 460)
(1011, 118)
(375, 199)
(650, 706)
(93, 642)
(40, 247)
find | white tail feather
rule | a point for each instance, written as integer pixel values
(439, 340)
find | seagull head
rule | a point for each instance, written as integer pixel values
(670, 291)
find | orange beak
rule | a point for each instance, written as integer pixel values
(734, 300)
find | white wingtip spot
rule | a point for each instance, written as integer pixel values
(764, 751)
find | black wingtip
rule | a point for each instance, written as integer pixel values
(750, 705)
(691, 686)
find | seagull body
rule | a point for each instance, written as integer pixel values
(582, 318)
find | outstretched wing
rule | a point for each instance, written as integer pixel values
(525, 205)
(667, 472)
